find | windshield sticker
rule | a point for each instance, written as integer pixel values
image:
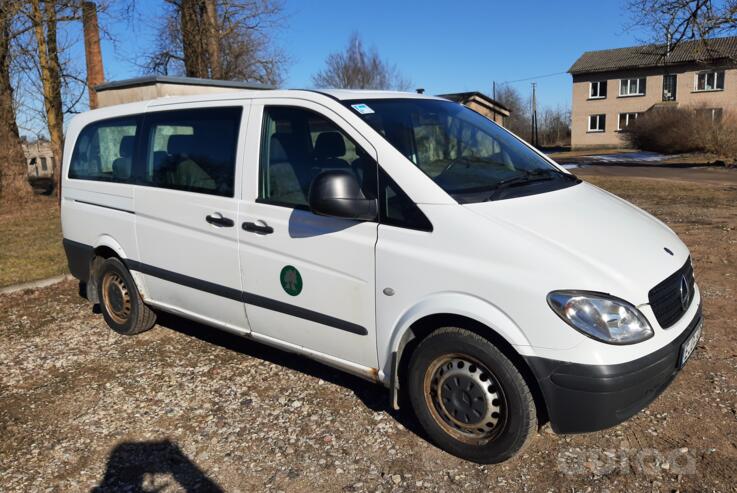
(362, 108)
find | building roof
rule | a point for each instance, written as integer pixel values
(185, 81)
(481, 98)
(654, 55)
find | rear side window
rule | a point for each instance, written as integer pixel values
(104, 151)
(299, 144)
(192, 150)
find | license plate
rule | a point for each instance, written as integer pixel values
(690, 344)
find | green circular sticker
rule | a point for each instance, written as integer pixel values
(291, 280)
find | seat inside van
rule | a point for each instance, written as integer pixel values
(286, 175)
(182, 168)
(122, 165)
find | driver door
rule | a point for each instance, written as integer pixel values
(309, 280)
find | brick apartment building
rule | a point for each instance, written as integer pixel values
(611, 88)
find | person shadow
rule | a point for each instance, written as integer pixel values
(131, 467)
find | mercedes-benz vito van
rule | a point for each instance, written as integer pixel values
(399, 237)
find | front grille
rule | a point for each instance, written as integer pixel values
(666, 298)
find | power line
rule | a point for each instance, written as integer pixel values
(533, 78)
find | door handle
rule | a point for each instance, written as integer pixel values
(261, 229)
(218, 220)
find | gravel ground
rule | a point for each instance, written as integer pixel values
(186, 408)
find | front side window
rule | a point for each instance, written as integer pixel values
(625, 119)
(104, 151)
(463, 152)
(299, 144)
(597, 123)
(710, 81)
(192, 150)
(632, 87)
(597, 90)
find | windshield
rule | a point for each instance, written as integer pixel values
(471, 158)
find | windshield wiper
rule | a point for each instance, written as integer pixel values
(523, 179)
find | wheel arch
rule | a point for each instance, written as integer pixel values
(106, 247)
(490, 323)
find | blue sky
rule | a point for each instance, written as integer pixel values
(440, 46)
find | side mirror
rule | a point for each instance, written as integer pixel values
(337, 193)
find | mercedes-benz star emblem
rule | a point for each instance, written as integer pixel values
(685, 292)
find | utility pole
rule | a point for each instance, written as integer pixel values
(493, 90)
(533, 135)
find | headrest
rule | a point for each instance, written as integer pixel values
(329, 145)
(126, 146)
(179, 145)
(122, 168)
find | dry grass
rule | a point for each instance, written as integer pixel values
(30, 242)
(654, 193)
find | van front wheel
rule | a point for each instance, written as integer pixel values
(120, 303)
(469, 397)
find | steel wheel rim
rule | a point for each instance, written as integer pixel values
(465, 399)
(116, 297)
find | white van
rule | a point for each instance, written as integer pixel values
(399, 237)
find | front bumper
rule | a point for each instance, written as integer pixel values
(581, 398)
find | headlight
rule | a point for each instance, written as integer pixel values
(601, 317)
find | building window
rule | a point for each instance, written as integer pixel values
(632, 87)
(597, 90)
(669, 87)
(597, 123)
(625, 119)
(713, 114)
(710, 81)
(44, 166)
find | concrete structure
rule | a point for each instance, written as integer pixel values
(611, 88)
(41, 161)
(156, 86)
(481, 103)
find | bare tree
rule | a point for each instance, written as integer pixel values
(555, 126)
(51, 83)
(519, 118)
(554, 123)
(45, 29)
(220, 39)
(671, 21)
(13, 183)
(358, 68)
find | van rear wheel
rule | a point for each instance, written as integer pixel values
(469, 397)
(120, 303)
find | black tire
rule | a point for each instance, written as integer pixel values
(120, 303)
(469, 397)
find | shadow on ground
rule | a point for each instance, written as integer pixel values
(131, 466)
(373, 396)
